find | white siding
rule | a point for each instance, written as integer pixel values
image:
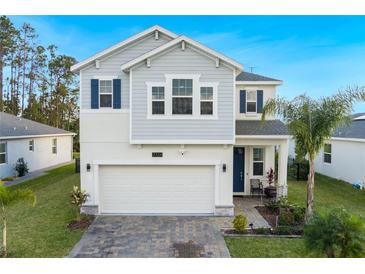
(41, 157)
(177, 61)
(348, 162)
(110, 66)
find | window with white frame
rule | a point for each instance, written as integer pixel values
(31, 145)
(54, 145)
(182, 96)
(258, 162)
(251, 100)
(327, 153)
(3, 153)
(206, 100)
(158, 100)
(106, 93)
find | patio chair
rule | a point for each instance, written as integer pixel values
(257, 187)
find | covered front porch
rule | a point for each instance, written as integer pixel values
(260, 147)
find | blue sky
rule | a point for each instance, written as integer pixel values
(313, 54)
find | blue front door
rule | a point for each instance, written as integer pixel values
(239, 169)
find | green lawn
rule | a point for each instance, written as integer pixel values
(246, 247)
(328, 193)
(41, 231)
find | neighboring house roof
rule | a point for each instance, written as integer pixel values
(176, 41)
(12, 127)
(86, 62)
(355, 130)
(258, 127)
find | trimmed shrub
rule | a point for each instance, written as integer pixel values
(288, 230)
(240, 223)
(21, 167)
(262, 231)
(286, 218)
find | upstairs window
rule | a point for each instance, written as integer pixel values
(206, 100)
(182, 96)
(251, 101)
(258, 162)
(3, 153)
(31, 145)
(106, 93)
(54, 146)
(158, 100)
(327, 153)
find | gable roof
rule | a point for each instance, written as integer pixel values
(13, 127)
(355, 130)
(257, 127)
(174, 42)
(77, 67)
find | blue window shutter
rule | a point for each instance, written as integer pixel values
(117, 100)
(260, 100)
(94, 93)
(242, 101)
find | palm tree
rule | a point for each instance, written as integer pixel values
(311, 122)
(8, 197)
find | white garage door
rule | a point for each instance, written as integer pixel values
(157, 189)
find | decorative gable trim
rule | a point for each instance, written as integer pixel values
(127, 66)
(77, 67)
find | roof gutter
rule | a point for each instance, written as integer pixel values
(263, 136)
(261, 83)
(35, 136)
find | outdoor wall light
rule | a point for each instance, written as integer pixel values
(224, 167)
(88, 167)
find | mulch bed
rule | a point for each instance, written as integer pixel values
(83, 224)
(269, 216)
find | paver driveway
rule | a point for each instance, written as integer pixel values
(150, 236)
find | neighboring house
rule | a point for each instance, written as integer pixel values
(343, 156)
(170, 126)
(40, 145)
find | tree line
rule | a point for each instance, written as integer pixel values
(35, 80)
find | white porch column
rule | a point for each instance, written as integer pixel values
(283, 168)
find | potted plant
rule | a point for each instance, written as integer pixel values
(270, 191)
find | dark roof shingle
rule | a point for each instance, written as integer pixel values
(355, 130)
(257, 127)
(248, 76)
(13, 126)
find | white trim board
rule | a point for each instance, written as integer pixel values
(104, 111)
(180, 142)
(77, 67)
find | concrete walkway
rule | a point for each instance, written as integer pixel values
(151, 237)
(35, 174)
(245, 206)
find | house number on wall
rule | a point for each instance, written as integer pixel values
(156, 154)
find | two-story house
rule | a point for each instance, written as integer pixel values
(170, 126)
